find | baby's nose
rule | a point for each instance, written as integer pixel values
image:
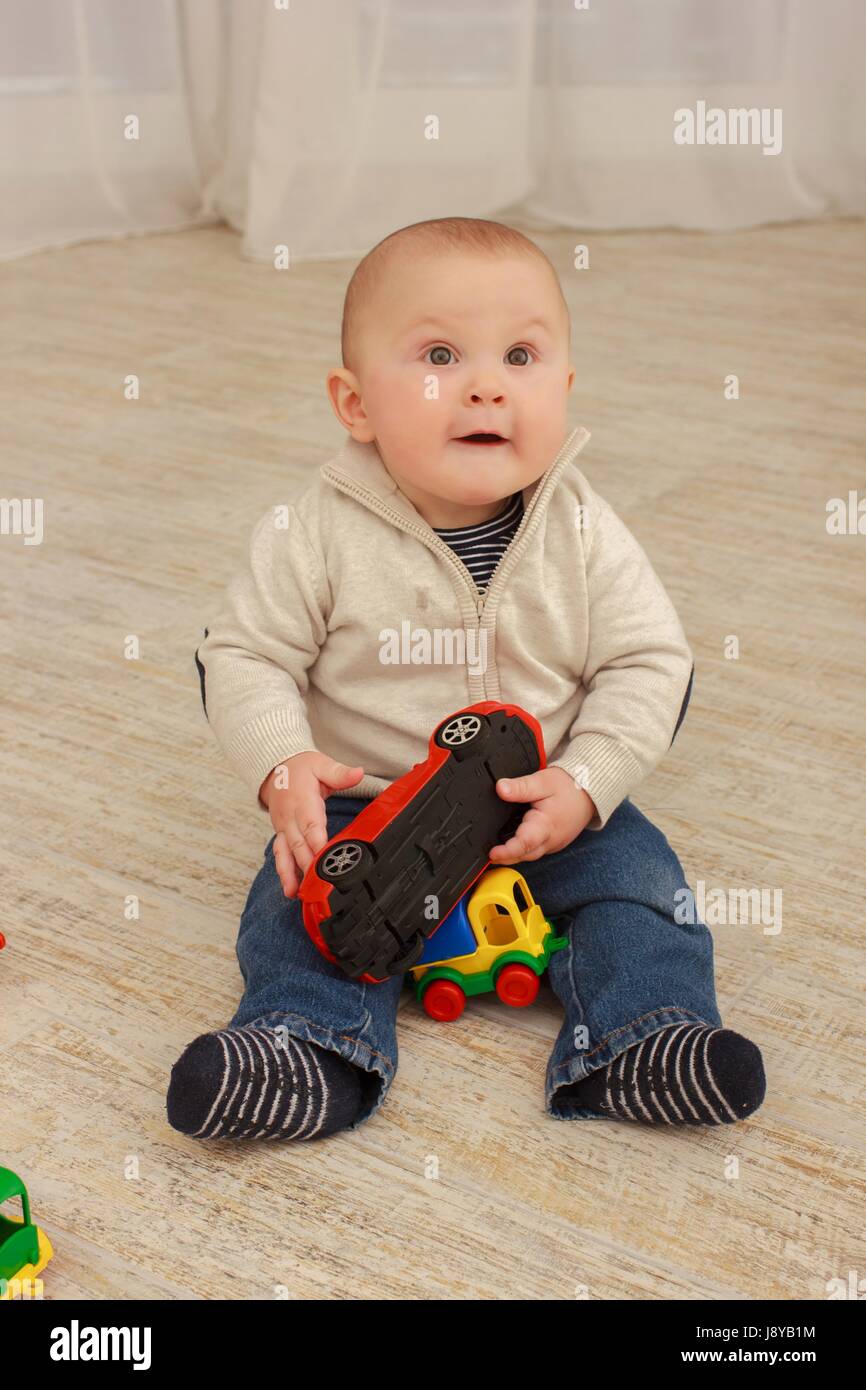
(487, 391)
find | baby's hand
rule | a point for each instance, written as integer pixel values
(294, 793)
(560, 811)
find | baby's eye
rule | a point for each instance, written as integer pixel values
(520, 363)
(439, 361)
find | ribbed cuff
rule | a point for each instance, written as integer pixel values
(605, 769)
(267, 740)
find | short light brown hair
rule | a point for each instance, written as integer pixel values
(440, 234)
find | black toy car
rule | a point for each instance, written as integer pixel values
(380, 887)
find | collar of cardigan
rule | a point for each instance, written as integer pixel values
(362, 465)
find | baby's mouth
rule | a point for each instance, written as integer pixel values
(482, 440)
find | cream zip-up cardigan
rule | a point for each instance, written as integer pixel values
(354, 629)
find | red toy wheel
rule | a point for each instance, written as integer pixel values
(517, 985)
(444, 1000)
(2, 941)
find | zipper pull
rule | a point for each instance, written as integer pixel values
(479, 604)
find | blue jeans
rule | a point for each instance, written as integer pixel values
(628, 970)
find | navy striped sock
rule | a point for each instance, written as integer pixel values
(261, 1083)
(685, 1074)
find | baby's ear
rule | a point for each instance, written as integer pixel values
(344, 393)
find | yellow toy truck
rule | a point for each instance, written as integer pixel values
(495, 938)
(24, 1249)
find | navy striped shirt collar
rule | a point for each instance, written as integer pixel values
(512, 506)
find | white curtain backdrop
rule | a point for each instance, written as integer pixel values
(308, 123)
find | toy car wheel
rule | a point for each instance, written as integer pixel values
(462, 734)
(517, 985)
(444, 1000)
(344, 861)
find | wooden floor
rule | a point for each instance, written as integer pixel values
(111, 786)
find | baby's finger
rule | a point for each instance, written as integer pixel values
(286, 867)
(310, 818)
(298, 846)
(532, 787)
(527, 842)
(510, 851)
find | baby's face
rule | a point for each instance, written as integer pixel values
(457, 345)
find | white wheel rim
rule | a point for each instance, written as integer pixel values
(461, 730)
(341, 859)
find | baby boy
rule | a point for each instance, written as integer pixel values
(455, 506)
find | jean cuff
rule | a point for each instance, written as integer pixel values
(560, 1077)
(378, 1070)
